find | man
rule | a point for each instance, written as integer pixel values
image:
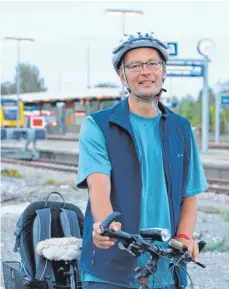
(140, 159)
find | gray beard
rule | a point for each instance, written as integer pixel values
(146, 97)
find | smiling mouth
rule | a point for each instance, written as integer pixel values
(146, 82)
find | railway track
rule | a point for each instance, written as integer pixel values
(218, 186)
(44, 164)
(215, 185)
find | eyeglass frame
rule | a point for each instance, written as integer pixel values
(161, 62)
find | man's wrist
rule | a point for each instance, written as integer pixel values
(183, 236)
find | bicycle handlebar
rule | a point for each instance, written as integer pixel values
(137, 244)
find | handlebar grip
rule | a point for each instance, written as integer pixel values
(175, 244)
(121, 235)
(109, 219)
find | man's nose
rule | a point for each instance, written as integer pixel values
(145, 70)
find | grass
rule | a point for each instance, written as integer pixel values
(219, 246)
(63, 183)
(50, 182)
(225, 215)
(214, 210)
(209, 210)
(13, 173)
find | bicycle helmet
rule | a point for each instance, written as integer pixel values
(131, 42)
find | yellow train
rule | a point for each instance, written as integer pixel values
(8, 112)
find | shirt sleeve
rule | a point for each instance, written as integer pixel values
(197, 182)
(93, 156)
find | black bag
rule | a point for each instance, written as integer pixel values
(44, 230)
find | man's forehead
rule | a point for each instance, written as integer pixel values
(139, 54)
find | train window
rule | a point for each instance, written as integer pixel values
(9, 104)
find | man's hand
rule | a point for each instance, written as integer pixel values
(104, 242)
(192, 246)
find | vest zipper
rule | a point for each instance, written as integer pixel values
(169, 193)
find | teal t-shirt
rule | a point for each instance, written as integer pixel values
(154, 206)
(154, 202)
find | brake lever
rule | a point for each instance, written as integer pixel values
(199, 264)
(188, 258)
(201, 245)
(132, 248)
(128, 249)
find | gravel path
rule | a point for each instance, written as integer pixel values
(35, 185)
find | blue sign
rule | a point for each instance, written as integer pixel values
(185, 68)
(225, 99)
(173, 48)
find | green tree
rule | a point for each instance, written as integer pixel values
(8, 88)
(211, 96)
(224, 86)
(224, 114)
(30, 81)
(211, 99)
(190, 109)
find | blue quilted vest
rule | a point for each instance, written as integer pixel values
(126, 186)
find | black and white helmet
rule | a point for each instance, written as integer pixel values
(141, 40)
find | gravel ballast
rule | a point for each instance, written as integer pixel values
(35, 184)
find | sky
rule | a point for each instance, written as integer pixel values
(65, 33)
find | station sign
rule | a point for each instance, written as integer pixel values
(80, 113)
(173, 48)
(225, 99)
(37, 122)
(185, 68)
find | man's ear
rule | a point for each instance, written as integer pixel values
(121, 76)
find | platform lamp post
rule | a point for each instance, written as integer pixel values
(123, 13)
(18, 40)
(217, 112)
(205, 47)
(89, 62)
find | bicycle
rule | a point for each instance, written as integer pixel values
(142, 243)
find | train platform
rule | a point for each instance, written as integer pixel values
(215, 161)
(75, 137)
(47, 145)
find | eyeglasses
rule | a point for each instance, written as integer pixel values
(138, 66)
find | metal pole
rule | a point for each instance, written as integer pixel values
(88, 66)
(18, 83)
(123, 23)
(123, 33)
(60, 82)
(228, 132)
(205, 108)
(217, 117)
